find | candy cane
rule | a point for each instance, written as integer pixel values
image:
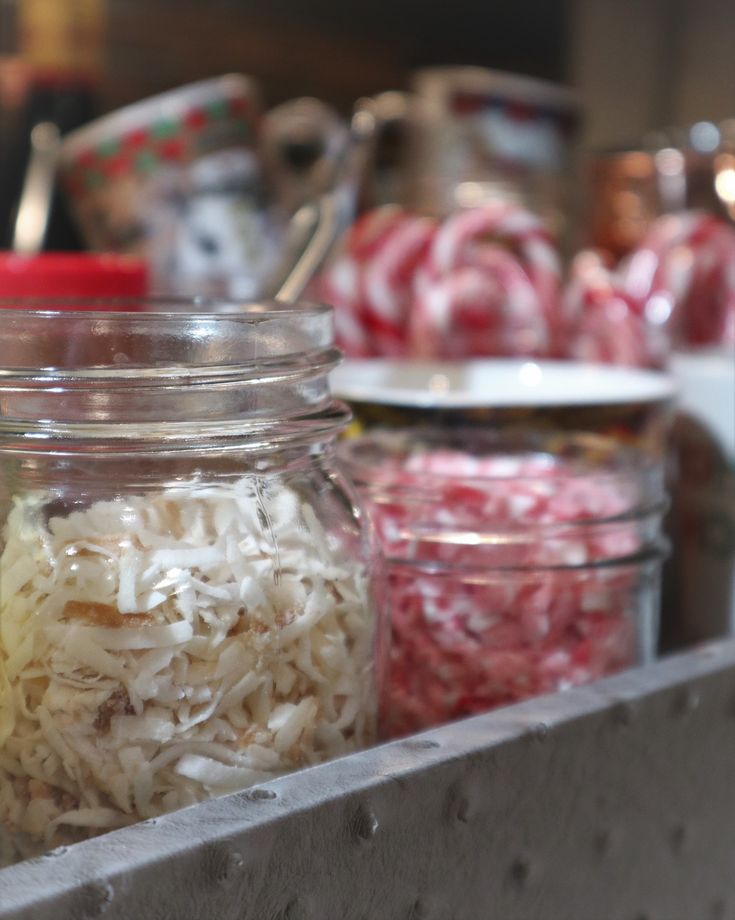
(486, 307)
(341, 283)
(706, 309)
(609, 323)
(496, 261)
(508, 225)
(338, 286)
(388, 282)
(686, 257)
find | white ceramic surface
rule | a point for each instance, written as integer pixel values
(702, 596)
(495, 383)
(706, 385)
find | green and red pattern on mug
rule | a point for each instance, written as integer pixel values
(168, 139)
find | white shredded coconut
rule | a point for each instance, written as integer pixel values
(164, 648)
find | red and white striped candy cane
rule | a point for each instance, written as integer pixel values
(341, 284)
(641, 273)
(686, 257)
(704, 312)
(609, 325)
(388, 283)
(497, 259)
(458, 316)
(508, 225)
(371, 228)
(466, 313)
(611, 332)
(339, 287)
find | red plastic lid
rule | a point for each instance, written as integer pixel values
(71, 274)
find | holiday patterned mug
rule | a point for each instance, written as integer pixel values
(176, 178)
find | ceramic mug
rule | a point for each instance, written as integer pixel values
(182, 179)
(471, 135)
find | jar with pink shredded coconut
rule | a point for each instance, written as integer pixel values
(517, 565)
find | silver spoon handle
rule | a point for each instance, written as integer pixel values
(315, 227)
(34, 207)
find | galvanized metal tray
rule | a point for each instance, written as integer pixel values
(610, 802)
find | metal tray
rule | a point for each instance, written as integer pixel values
(608, 802)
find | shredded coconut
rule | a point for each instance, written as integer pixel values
(160, 649)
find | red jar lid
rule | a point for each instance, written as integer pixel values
(71, 274)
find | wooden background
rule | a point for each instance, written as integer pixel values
(337, 51)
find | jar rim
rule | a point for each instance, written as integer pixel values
(480, 534)
(588, 487)
(654, 552)
(157, 307)
(95, 336)
(400, 443)
(166, 375)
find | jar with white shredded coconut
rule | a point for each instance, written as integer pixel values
(186, 582)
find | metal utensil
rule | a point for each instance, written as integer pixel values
(34, 208)
(315, 227)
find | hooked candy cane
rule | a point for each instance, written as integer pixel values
(498, 262)
(388, 282)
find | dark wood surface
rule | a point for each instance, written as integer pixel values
(337, 51)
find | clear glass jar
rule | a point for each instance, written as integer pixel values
(517, 564)
(186, 580)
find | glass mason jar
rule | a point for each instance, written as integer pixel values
(517, 565)
(186, 593)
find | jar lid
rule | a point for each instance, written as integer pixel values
(70, 274)
(496, 383)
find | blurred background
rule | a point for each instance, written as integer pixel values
(335, 51)
(639, 64)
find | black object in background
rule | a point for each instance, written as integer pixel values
(66, 105)
(61, 44)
